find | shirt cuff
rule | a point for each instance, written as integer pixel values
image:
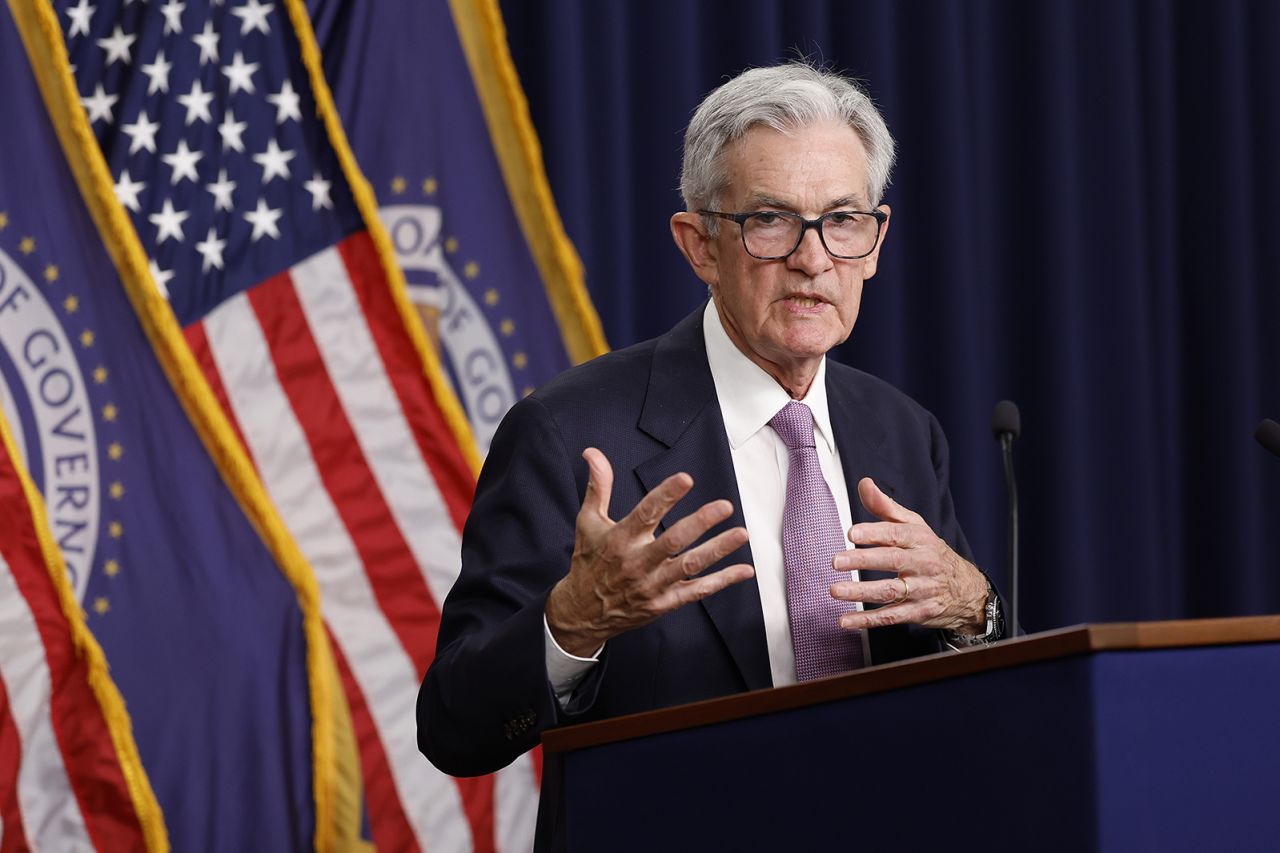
(564, 670)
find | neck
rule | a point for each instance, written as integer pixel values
(794, 376)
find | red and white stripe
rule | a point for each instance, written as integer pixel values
(61, 784)
(322, 382)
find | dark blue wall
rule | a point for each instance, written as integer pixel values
(1084, 221)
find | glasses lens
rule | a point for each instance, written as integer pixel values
(850, 235)
(771, 235)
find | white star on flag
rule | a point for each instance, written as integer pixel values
(221, 190)
(158, 74)
(161, 277)
(232, 132)
(197, 103)
(319, 189)
(274, 162)
(240, 74)
(168, 222)
(99, 105)
(207, 41)
(183, 162)
(141, 133)
(172, 12)
(127, 190)
(263, 219)
(80, 15)
(210, 248)
(117, 46)
(287, 103)
(253, 16)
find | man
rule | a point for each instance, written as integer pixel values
(667, 523)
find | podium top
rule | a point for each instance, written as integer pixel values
(1049, 645)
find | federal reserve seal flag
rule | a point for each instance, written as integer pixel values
(232, 368)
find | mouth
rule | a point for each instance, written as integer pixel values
(804, 301)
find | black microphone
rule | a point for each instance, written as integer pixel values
(1268, 435)
(1006, 425)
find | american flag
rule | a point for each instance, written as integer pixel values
(212, 124)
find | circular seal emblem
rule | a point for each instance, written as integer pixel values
(46, 404)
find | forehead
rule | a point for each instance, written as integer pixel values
(809, 167)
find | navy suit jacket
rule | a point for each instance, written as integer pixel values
(652, 409)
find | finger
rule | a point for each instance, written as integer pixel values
(695, 560)
(599, 483)
(894, 534)
(653, 507)
(882, 506)
(891, 614)
(689, 591)
(869, 592)
(689, 529)
(876, 560)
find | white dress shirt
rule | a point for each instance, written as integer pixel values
(749, 398)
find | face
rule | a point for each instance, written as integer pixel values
(785, 314)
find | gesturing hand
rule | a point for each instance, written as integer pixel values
(621, 576)
(935, 586)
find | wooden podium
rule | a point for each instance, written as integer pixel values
(1160, 736)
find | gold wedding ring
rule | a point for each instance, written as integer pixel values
(906, 591)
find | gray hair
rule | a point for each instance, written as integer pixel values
(783, 97)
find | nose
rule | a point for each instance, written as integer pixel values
(810, 257)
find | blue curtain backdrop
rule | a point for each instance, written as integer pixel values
(1084, 221)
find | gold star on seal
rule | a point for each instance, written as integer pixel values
(429, 186)
(109, 412)
(101, 606)
(520, 360)
(100, 374)
(115, 450)
(507, 327)
(86, 338)
(398, 184)
(471, 269)
(71, 304)
(27, 245)
(4, 220)
(117, 490)
(115, 530)
(451, 244)
(491, 297)
(528, 389)
(51, 273)
(111, 567)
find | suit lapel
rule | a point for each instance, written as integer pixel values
(682, 412)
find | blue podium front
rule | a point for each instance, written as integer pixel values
(1156, 736)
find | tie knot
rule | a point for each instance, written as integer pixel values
(794, 425)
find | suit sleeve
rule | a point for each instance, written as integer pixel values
(485, 699)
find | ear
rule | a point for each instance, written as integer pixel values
(870, 262)
(689, 230)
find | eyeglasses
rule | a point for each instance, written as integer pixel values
(771, 235)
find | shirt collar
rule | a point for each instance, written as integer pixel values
(750, 397)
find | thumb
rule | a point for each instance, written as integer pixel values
(882, 506)
(599, 483)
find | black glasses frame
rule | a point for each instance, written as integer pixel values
(805, 224)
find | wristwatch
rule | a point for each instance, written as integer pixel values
(993, 630)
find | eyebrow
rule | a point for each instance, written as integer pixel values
(760, 200)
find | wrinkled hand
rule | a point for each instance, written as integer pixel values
(621, 576)
(935, 586)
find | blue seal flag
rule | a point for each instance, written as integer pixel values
(207, 615)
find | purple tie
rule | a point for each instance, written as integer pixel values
(811, 536)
